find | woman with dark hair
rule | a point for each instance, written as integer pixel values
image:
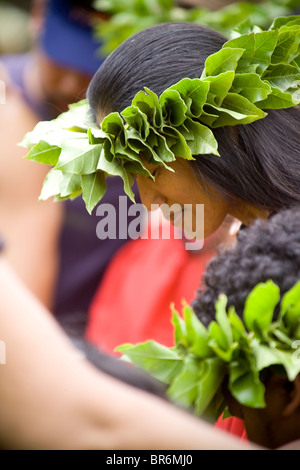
(259, 169)
(255, 171)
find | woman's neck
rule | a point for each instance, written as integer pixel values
(247, 213)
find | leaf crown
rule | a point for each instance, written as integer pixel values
(252, 73)
(230, 349)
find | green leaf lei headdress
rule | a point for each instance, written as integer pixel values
(230, 349)
(252, 73)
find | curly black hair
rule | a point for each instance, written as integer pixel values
(269, 249)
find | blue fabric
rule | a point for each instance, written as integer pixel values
(69, 40)
(15, 65)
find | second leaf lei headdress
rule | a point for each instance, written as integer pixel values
(230, 352)
(252, 73)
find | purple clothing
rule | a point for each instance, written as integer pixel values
(83, 257)
(15, 65)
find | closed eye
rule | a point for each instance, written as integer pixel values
(155, 172)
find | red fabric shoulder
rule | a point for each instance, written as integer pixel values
(133, 301)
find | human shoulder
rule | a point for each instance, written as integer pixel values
(294, 445)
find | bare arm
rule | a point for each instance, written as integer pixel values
(52, 399)
(29, 228)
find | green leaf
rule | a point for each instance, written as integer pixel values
(194, 93)
(219, 87)
(93, 189)
(260, 305)
(137, 120)
(147, 101)
(180, 333)
(268, 356)
(264, 355)
(283, 76)
(216, 333)
(212, 372)
(44, 153)
(184, 388)
(242, 28)
(247, 43)
(290, 307)
(226, 413)
(209, 116)
(78, 157)
(146, 104)
(69, 185)
(237, 326)
(225, 60)
(173, 107)
(200, 139)
(251, 87)
(285, 21)
(245, 386)
(173, 144)
(51, 186)
(116, 168)
(287, 46)
(50, 133)
(161, 362)
(236, 110)
(77, 117)
(215, 408)
(279, 100)
(112, 124)
(290, 363)
(222, 318)
(284, 339)
(196, 334)
(265, 44)
(218, 342)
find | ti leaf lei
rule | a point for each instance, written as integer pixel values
(230, 348)
(252, 73)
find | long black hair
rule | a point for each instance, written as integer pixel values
(260, 162)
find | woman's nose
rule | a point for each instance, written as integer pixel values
(150, 196)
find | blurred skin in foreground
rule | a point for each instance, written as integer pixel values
(51, 398)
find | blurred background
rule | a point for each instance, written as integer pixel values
(128, 17)
(14, 26)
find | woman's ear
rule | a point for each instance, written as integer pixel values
(294, 403)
